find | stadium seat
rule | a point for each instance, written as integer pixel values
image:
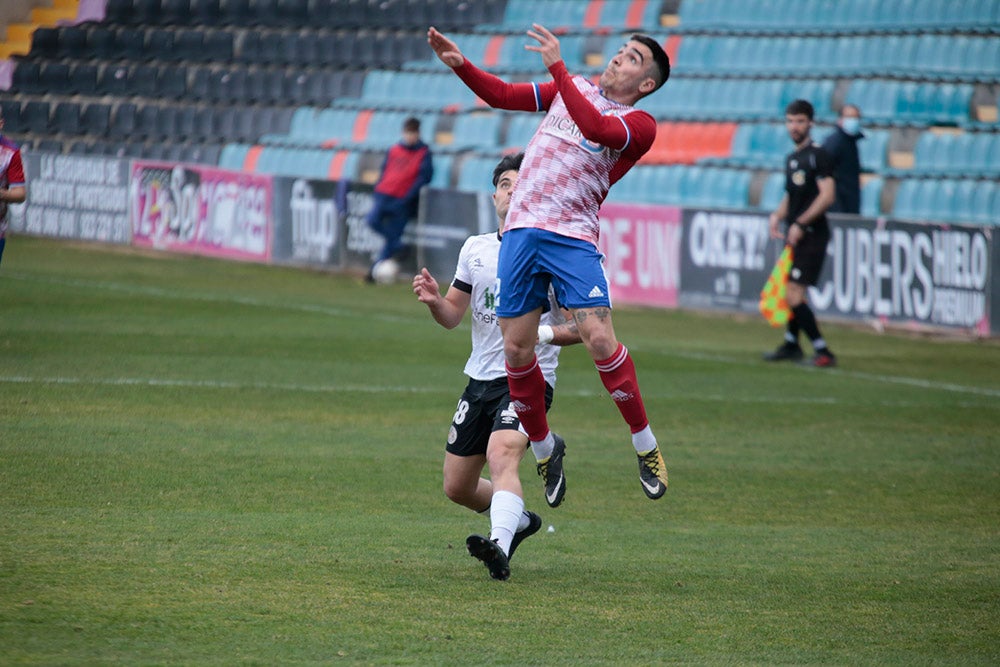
(35, 116)
(66, 118)
(83, 79)
(44, 43)
(54, 78)
(95, 119)
(871, 198)
(130, 43)
(773, 191)
(171, 82)
(102, 42)
(123, 121)
(232, 156)
(479, 131)
(174, 12)
(113, 80)
(160, 44)
(11, 111)
(205, 12)
(72, 42)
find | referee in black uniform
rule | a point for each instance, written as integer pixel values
(809, 192)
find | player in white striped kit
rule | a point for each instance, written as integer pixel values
(485, 428)
(589, 138)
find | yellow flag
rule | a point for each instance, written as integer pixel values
(773, 306)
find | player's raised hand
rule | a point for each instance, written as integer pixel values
(425, 287)
(548, 44)
(445, 49)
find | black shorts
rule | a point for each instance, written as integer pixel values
(483, 408)
(808, 258)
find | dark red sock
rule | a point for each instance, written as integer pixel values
(527, 394)
(618, 375)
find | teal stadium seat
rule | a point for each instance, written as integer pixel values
(442, 171)
(477, 131)
(773, 191)
(232, 156)
(476, 174)
(871, 198)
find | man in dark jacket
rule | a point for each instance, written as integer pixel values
(842, 147)
(407, 167)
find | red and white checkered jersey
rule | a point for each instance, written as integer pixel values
(565, 177)
(586, 142)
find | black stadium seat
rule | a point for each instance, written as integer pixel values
(236, 12)
(96, 118)
(54, 77)
(160, 44)
(205, 12)
(35, 117)
(185, 126)
(45, 43)
(147, 118)
(102, 42)
(200, 83)
(113, 80)
(131, 43)
(189, 44)
(12, 122)
(66, 118)
(123, 121)
(25, 78)
(142, 80)
(171, 81)
(72, 42)
(83, 79)
(174, 12)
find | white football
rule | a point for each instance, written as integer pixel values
(385, 271)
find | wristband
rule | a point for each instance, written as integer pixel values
(545, 334)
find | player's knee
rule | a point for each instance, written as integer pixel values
(456, 493)
(503, 455)
(518, 353)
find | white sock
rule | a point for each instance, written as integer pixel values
(644, 441)
(524, 522)
(543, 449)
(505, 516)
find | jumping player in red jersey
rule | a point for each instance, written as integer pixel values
(12, 185)
(589, 138)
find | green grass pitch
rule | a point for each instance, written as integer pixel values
(212, 463)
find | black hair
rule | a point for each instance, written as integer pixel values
(660, 57)
(507, 163)
(799, 108)
(411, 124)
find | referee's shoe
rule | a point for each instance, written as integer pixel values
(785, 352)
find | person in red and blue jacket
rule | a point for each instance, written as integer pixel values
(408, 166)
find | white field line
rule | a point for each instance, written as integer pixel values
(341, 312)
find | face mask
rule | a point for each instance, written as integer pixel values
(851, 126)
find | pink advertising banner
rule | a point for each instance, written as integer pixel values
(201, 210)
(641, 245)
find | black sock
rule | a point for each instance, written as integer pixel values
(792, 334)
(807, 321)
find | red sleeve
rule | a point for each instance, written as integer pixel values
(502, 95)
(15, 170)
(632, 133)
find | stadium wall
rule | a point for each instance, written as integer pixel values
(921, 276)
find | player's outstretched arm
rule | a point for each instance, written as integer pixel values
(445, 49)
(447, 310)
(548, 44)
